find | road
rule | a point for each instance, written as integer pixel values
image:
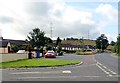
(98, 67)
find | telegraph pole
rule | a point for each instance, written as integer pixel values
(51, 29)
(88, 34)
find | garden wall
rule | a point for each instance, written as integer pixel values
(12, 56)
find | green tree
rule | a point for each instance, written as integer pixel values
(57, 41)
(37, 38)
(16, 47)
(59, 47)
(118, 44)
(48, 40)
(112, 43)
(102, 42)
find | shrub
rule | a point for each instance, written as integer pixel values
(85, 53)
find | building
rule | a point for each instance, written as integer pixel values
(77, 47)
(5, 44)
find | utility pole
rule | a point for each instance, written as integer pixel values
(51, 29)
(88, 34)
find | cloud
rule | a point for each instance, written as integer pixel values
(67, 21)
(6, 19)
(107, 10)
(111, 38)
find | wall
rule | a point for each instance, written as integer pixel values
(3, 50)
(12, 57)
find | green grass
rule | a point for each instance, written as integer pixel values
(117, 54)
(37, 63)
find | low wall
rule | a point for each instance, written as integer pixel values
(12, 57)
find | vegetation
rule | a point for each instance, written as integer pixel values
(59, 47)
(69, 51)
(102, 42)
(116, 48)
(37, 63)
(58, 41)
(78, 42)
(15, 47)
(37, 38)
(85, 53)
(118, 44)
(112, 43)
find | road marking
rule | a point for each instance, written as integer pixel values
(48, 72)
(112, 72)
(58, 77)
(71, 77)
(66, 72)
(103, 70)
(106, 70)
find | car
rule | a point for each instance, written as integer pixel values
(50, 54)
(21, 51)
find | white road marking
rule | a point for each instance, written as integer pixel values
(64, 77)
(112, 72)
(105, 69)
(66, 71)
(48, 72)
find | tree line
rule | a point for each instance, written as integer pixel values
(37, 40)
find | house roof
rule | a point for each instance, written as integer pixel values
(4, 42)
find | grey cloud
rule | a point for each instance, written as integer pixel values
(74, 30)
(40, 14)
(6, 19)
(38, 8)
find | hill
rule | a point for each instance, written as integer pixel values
(79, 42)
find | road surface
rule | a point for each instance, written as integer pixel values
(98, 67)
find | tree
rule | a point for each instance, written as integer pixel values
(59, 47)
(112, 43)
(118, 44)
(48, 40)
(102, 42)
(37, 38)
(58, 40)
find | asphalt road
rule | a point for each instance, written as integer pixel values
(98, 67)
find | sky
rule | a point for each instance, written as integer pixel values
(68, 18)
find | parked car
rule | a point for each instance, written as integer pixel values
(21, 51)
(50, 54)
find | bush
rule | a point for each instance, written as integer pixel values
(60, 54)
(85, 53)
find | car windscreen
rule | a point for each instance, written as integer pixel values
(50, 52)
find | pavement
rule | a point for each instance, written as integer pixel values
(98, 67)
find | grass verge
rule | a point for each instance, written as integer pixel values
(37, 63)
(117, 54)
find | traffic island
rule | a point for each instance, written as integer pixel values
(32, 63)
